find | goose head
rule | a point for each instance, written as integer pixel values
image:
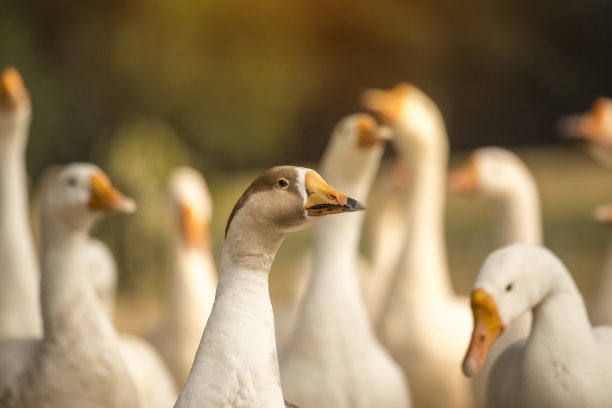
(288, 198)
(354, 148)
(510, 282)
(14, 97)
(415, 117)
(491, 171)
(80, 193)
(190, 200)
(591, 126)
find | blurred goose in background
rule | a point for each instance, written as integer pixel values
(194, 276)
(387, 233)
(19, 275)
(601, 304)
(504, 180)
(236, 363)
(78, 362)
(334, 358)
(593, 127)
(425, 323)
(564, 362)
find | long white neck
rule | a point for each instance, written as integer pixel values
(518, 216)
(19, 274)
(423, 268)
(236, 359)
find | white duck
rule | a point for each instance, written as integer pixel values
(334, 358)
(194, 276)
(236, 363)
(19, 275)
(594, 127)
(425, 323)
(600, 309)
(504, 180)
(78, 362)
(564, 362)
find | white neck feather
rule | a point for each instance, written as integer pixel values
(518, 216)
(601, 307)
(19, 277)
(236, 363)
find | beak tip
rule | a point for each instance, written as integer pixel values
(470, 366)
(354, 205)
(127, 206)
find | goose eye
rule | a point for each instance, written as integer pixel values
(72, 182)
(509, 287)
(282, 183)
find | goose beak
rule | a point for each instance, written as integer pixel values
(324, 200)
(589, 126)
(192, 227)
(487, 328)
(603, 214)
(12, 89)
(105, 198)
(369, 133)
(385, 103)
(464, 179)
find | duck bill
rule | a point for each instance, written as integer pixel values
(12, 89)
(464, 179)
(193, 229)
(324, 200)
(487, 328)
(369, 133)
(105, 198)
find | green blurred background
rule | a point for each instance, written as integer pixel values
(235, 87)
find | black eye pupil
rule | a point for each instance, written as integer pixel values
(509, 287)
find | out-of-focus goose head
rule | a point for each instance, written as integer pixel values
(78, 194)
(14, 97)
(191, 203)
(594, 125)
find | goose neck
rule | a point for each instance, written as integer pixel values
(518, 217)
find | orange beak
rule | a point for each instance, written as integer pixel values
(464, 179)
(603, 214)
(487, 328)
(386, 103)
(12, 89)
(193, 227)
(105, 198)
(324, 200)
(369, 133)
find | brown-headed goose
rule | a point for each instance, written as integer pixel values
(334, 358)
(19, 274)
(564, 363)
(78, 362)
(236, 363)
(194, 275)
(424, 323)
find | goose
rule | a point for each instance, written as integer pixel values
(78, 361)
(194, 277)
(334, 358)
(564, 362)
(236, 362)
(502, 178)
(594, 128)
(425, 323)
(19, 275)
(150, 376)
(600, 309)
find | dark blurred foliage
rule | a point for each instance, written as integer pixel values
(262, 83)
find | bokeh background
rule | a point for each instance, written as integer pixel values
(236, 87)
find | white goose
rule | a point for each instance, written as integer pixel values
(600, 309)
(19, 275)
(194, 276)
(425, 322)
(564, 362)
(594, 127)
(334, 358)
(78, 362)
(504, 180)
(236, 363)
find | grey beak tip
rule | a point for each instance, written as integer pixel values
(354, 205)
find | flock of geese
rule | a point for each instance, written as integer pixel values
(394, 336)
